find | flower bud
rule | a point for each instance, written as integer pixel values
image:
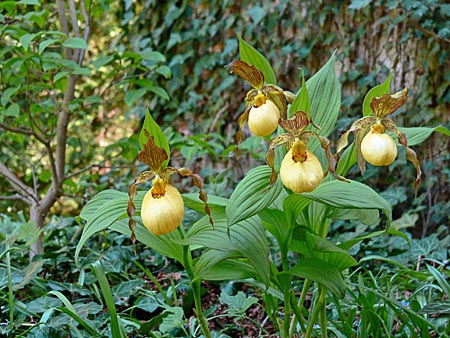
(263, 119)
(162, 208)
(301, 172)
(378, 149)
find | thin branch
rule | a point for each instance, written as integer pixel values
(14, 197)
(16, 130)
(87, 29)
(75, 28)
(428, 32)
(64, 25)
(17, 184)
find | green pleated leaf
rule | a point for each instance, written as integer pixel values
(252, 194)
(313, 246)
(302, 101)
(230, 269)
(193, 201)
(166, 245)
(294, 204)
(350, 195)
(251, 56)
(102, 212)
(248, 237)
(348, 244)
(76, 43)
(154, 130)
(320, 272)
(209, 258)
(417, 135)
(277, 223)
(377, 91)
(366, 216)
(325, 95)
(347, 160)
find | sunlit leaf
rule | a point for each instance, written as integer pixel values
(77, 43)
(320, 272)
(377, 91)
(325, 93)
(417, 135)
(302, 101)
(313, 246)
(351, 195)
(252, 194)
(251, 56)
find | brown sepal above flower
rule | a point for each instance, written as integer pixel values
(249, 73)
(152, 155)
(387, 104)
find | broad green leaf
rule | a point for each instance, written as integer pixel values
(107, 212)
(166, 245)
(313, 246)
(7, 94)
(164, 71)
(102, 61)
(13, 110)
(294, 204)
(29, 2)
(348, 244)
(252, 194)
(159, 91)
(347, 160)
(209, 258)
(349, 195)
(320, 272)
(133, 95)
(417, 135)
(440, 278)
(302, 101)
(377, 91)
(366, 216)
(247, 237)
(251, 56)
(154, 130)
(45, 43)
(238, 303)
(230, 270)
(153, 56)
(216, 203)
(325, 94)
(26, 39)
(277, 223)
(76, 43)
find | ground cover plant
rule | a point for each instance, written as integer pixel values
(299, 244)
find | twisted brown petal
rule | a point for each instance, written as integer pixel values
(249, 73)
(387, 104)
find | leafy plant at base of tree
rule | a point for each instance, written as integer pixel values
(236, 247)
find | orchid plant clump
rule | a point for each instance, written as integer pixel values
(292, 200)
